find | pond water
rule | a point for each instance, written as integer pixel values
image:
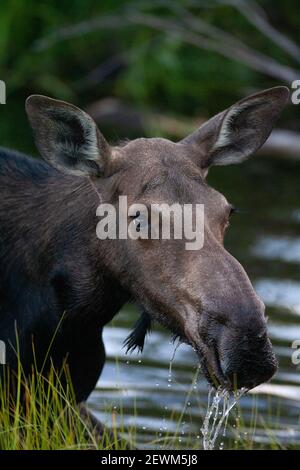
(163, 406)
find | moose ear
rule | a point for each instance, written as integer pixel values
(67, 137)
(233, 135)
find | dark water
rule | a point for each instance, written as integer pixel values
(265, 237)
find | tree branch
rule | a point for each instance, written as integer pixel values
(257, 17)
(200, 34)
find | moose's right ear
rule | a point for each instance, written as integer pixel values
(67, 137)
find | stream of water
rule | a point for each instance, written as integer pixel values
(220, 403)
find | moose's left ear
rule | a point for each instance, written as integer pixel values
(67, 137)
(231, 136)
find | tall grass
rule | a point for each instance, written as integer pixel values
(42, 414)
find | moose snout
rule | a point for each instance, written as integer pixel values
(250, 359)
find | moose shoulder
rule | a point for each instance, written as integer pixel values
(58, 279)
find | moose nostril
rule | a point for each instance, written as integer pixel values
(246, 356)
(262, 336)
(249, 376)
(251, 363)
(253, 331)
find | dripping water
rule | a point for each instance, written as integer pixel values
(172, 361)
(220, 403)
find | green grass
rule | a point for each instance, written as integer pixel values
(43, 415)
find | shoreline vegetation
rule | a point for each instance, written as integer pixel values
(43, 415)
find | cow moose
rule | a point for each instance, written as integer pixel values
(55, 271)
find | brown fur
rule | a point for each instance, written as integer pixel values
(53, 268)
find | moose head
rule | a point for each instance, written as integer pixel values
(205, 295)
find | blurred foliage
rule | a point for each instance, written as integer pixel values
(155, 70)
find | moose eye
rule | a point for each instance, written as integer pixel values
(233, 210)
(140, 222)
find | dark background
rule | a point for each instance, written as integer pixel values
(165, 65)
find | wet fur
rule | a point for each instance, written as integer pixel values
(141, 328)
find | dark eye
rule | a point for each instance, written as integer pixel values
(233, 210)
(140, 221)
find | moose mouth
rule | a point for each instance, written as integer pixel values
(206, 351)
(243, 365)
(208, 356)
(210, 363)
